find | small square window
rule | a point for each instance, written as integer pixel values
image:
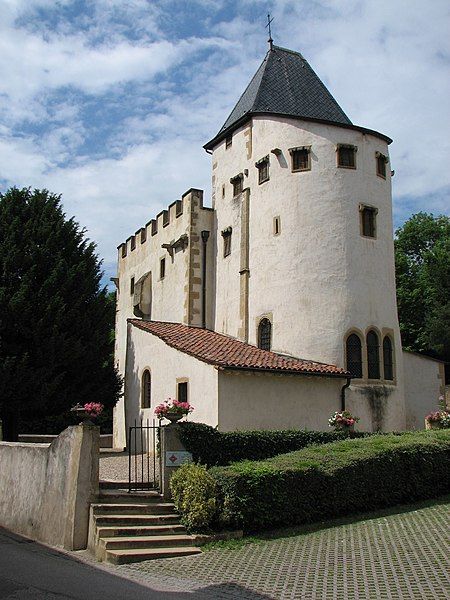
(228, 141)
(132, 286)
(237, 185)
(301, 159)
(162, 268)
(182, 391)
(263, 169)
(368, 221)
(381, 164)
(226, 234)
(346, 156)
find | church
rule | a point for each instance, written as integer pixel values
(276, 305)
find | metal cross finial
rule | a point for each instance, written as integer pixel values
(270, 40)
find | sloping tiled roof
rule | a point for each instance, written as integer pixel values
(285, 84)
(228, 353)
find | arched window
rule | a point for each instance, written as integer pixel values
(264, 334)
(146, 392)
(373, 356)
(388, 358)
(353, 352)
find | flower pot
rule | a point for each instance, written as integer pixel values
(174, 417)
(345, 428)
(432, 424)
(81, 413)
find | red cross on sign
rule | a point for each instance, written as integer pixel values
(173, 458)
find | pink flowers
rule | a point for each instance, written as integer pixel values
(173, 407)
(93, 409)
(341, 420)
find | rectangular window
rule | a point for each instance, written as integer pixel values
(368, 221)
(381, 164)
(263, 169)
(301, 159)
(182, 392)
(132, 286)
(228, 141)
(346, 156)
(162, 268)
(237, 185)
(226, 234)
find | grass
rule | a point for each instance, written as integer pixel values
(288, 532)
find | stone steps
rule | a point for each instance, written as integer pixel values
(129, 527)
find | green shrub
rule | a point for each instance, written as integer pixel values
(194, 493)
(214, 448)
(333, 479)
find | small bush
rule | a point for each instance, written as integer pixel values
(194, 493)
(330, 480)
(215, 448)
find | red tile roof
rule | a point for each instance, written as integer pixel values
(228, 353)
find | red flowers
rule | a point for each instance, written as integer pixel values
(173, 407)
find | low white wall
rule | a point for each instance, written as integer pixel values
(46, 490)
(423, 386)
(249, 400)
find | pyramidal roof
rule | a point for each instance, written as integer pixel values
(285, 84)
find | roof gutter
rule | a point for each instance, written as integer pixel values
(284, 372)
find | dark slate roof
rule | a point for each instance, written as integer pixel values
(226, 352)
(285, 84)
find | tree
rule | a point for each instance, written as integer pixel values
(55, 320)
(422, 258)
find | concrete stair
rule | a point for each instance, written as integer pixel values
(130, 527)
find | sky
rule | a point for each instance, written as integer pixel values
(109, 102)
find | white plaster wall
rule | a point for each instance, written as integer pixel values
(423, 386)
(265, 401)
(146, 351)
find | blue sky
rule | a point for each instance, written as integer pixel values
(109, 102)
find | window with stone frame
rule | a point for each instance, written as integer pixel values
(146, 392)
(237, 183)
(162, 268)
(300, 158)
(381, 161)
(263, 169)
(373, 355)
(182, 391)
(353, 355)
(368, 220)
(131, 286)
(346, 156)
(226, 234)
(265, 334)
(388, 358)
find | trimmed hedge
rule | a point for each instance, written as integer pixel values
(216, 448)
(333, 479)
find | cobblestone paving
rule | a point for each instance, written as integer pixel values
(403, 555)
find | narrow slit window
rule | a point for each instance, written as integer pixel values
(226, 234)
(373, 356)
(131, 286)
(162, 268)
(353, 350)
(346, 156)
(276, 226)
(146, 397)
(182, 392)
(228, 141)
(264, 334)
(388, 359)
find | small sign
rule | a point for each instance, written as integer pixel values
(175, 459)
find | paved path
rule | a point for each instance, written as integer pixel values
(404, 555)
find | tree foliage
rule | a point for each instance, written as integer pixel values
(422, 258)
(55, 320)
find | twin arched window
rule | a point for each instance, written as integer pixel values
(354, 356)
(146, 392)
(264, 334)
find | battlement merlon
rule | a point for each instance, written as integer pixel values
(163, 220)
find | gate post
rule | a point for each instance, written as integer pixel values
(171, 446)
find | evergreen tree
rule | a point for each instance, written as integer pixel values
(55, 320)
(422, 259)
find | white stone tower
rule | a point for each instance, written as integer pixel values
(305, 256)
